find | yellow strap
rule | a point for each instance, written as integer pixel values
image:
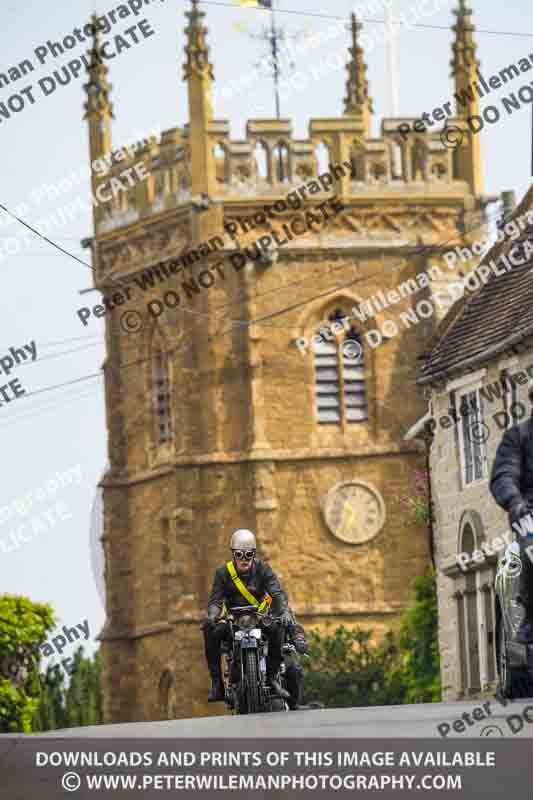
(244, 591)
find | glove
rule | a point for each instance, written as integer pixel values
(285, 618)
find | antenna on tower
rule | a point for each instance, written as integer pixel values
(274, 36)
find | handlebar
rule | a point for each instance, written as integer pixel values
(263, 615)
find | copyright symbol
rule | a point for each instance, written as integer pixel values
(478, 432)
(451, 136)
(131, 322)
(71, 781)
(491, 730)
(352, 349)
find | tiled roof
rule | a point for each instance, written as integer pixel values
(485, 322)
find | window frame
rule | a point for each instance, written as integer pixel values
(510, 394)
(338, 340)
(463, 392)
(456, 388)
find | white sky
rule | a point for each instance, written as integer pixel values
(52, 432)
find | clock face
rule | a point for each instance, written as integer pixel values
(354, 511)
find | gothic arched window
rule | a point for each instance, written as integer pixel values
(323, 157)
(397, 161)
(281, 162)
(161, 396)
(357, 159)
(418, 160)
(340, 390)
(261, 160)
(221, 162)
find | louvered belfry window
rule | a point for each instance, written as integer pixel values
(162, 397)
(340, 377)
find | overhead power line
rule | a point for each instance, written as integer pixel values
(46, 239)
(100, 373)
(233, 323)
(422, 25)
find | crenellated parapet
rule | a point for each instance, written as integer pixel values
(269, 163)
(200, 164)
(168, 185)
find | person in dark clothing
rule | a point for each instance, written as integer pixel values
(294, 674)
(511, 485)
(245, 580)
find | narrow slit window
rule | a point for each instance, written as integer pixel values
(162, 398)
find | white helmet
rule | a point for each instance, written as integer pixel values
(243, 540)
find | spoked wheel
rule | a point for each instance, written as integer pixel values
(252, 693)
(278, 704)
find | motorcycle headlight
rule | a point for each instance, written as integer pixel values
(247, 622)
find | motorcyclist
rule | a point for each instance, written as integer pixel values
(511, 485)
(245, 580)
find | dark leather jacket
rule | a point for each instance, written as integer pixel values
(511, 478)
(260, 580)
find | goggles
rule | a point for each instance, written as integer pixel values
(244, 555)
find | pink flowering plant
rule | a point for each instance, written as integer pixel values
(417, 504)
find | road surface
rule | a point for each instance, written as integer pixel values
(472, 718)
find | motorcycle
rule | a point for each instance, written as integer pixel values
(244, 653)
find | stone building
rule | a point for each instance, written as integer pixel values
(216, 420)
(476, 371)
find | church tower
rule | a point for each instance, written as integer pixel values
(225, 407)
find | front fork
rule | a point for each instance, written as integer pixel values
(234, 669)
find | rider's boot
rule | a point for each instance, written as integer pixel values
(273, 665)
(277, 688)
(216, 692)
